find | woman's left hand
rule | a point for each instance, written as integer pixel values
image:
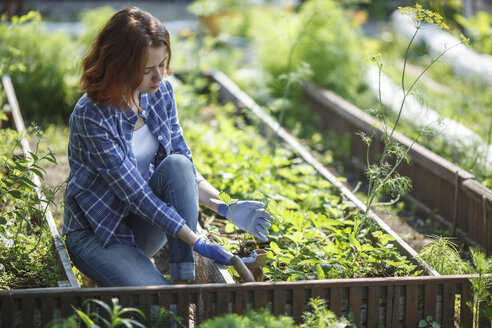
(248, 215)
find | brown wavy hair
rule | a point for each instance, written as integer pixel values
(114, 67)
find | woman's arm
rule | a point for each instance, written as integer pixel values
(208, 195)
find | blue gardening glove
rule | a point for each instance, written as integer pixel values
(212, 251)
(248, 215)
(218, 253)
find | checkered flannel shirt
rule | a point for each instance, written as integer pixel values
(104, 183)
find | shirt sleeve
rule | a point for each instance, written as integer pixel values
(105, 153)
(178, 142)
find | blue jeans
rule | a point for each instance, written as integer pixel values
(122, 265)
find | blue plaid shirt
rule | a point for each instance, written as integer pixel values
(104, 183)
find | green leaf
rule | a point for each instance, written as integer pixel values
(102, 304)
(37, 172)
(85, 318)
(385, 238)
(319, 271)
(3, 220)
(275, 248)
(34, 156)
(230, 227)
(28, 182)
(354, 241)
(15, 193)
(297, 237)
(225, 198)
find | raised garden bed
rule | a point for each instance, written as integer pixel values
(394, 302)
(446, 192)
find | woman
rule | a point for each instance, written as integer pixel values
(133, 186)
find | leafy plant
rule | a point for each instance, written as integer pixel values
(481, 285)
(27, 252)
(330, 45)
(160, 317)
(428, 322)
(320, 316)
(113, 315)
(443, 256)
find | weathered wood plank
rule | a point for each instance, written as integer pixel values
(298, 304)
(430, 300)
(241, 302)
(391, 304)
(336, 299)
(27, 310)
(355, 302)
(222, 302)
(47, 310)
(184, 307)
(279, 300)
(373, 305)
(411, 301)
(144, 303)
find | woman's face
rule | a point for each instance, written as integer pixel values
(154, 70)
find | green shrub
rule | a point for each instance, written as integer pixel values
(46, 83)
(323, 37)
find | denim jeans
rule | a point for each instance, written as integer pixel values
(122, 265)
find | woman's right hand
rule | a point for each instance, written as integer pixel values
(212, 251)
(218, 253)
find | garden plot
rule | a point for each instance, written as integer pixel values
(315, 234)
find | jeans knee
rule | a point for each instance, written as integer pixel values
(177, 164)
(175, 175)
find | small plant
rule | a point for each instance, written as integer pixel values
(117, 316)
(114, 314)
(26, 255)
(428, 322)
(442, 254)
(320, 316)
(481, 285)
(382, 175)
(160, 317)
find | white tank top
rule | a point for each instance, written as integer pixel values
(144, 146)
